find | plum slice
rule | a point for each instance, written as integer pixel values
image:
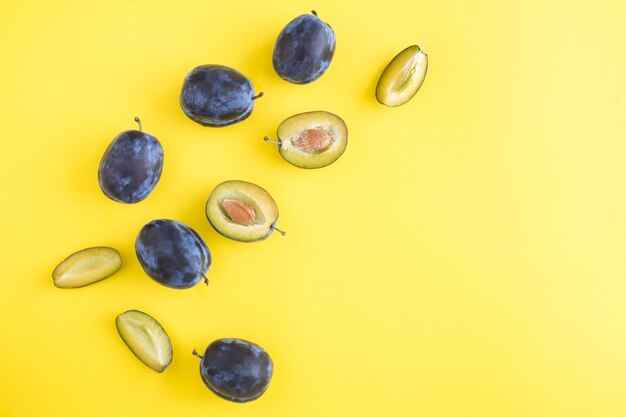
(146, 338)
(242, 211)
(86, 267)
(402, 77)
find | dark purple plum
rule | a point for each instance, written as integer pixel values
(217, 96)
(131, 166)
(304, 49)
(172, 254)
(236, 370)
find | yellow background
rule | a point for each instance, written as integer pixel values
(465, 257)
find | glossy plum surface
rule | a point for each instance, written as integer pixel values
(236, 370)
(131, 167)
(304, 49)
(172, 253)
(217, 96)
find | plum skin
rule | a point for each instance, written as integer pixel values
(236, 370)
(217, 96)
(172, 253)
(131, 167)
(304, 50)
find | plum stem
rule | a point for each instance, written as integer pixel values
(314, 13)
(195, 353)
(422, 47)
(278, 230)
(138, 122)
(266, 139)
(261, 94)
(206, 280)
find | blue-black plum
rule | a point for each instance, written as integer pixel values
(217, 96)
(236, 370)
(304, 49)
(172, 254)
(131, 166)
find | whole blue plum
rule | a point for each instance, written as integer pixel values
(172, 254)
(236, 370)
(217, 96)
(304, 49)
(131, 166)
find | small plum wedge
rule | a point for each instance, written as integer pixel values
(86, 267)
(402, 77)
(146, 338)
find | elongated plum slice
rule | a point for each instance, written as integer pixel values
(402, 78)
(312, 140)
(86, 267)
(146, 338)
(242, 211)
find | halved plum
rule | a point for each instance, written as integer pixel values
(312, 140)
(242, 211)
(402, 77)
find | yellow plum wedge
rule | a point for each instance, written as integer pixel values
(86, 267)
(146, 338)
(402, 77)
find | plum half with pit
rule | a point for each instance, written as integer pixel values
(304, 49)
(217, 96)
(236, 370)
(242, 211)
(312, 140)
(131, 166)
(172, 254)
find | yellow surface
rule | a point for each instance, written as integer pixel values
(465, 257)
